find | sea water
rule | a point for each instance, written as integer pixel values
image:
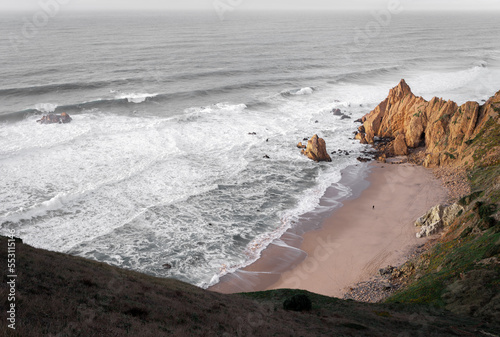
(175, 114)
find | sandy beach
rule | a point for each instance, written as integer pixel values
(367, 233)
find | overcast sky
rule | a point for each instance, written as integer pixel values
(33, 5)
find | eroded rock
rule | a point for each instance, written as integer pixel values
(436, 218)
(55, 119)
(400, 148)
(443, 127)
(316, 149)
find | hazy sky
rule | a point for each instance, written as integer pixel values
(34, 5)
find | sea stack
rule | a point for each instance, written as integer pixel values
(316, 149)
(55, 119)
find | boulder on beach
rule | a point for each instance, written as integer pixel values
(53, 119)
(436, 218)
(400, 148)
(316, 149)
(382, 158)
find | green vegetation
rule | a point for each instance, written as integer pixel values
(448, 261)
(487, 139)
(484, 211)
(464, 201)
(481, 177)
(444, 117)
(460, 259)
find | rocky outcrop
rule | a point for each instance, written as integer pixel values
(400, 148)
(316, 149)
(361, 137)
(54, 119)
(443, 127)
(436, 218)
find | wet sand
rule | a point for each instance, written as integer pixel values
(328, 254)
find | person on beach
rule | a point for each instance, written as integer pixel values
(52, 118)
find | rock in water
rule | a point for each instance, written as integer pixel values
(316, 149)
(361, 137)
(52, 119)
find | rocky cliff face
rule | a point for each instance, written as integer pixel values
(461, 272)
(442, 127)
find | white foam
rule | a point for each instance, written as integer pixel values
(304, 91)
(55, 203)
(46, 107)
(215, 108)
(475, 83)
(135, 97)
(97, 187)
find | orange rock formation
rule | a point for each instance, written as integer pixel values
(316, 149)
(443, 127)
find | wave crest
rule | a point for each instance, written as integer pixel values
(298, 92)
(135, 97)
(45, 107)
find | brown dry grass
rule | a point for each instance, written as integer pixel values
(61, 295)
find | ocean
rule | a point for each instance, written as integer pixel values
(173, 114)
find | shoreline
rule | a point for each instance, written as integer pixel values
(284, 253)
(329, 253)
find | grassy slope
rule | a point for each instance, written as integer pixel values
(462, 273)
(61, 295)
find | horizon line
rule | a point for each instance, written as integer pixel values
(274, 10)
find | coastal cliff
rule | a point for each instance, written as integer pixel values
(460, 270)
(444, 129)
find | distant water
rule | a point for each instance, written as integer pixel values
(159, 166)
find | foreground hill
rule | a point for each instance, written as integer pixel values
(62, 295)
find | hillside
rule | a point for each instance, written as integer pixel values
(61, 295)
